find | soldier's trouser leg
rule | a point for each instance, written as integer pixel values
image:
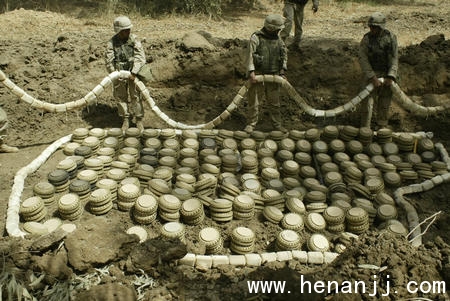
(136, 106)
(383, 105)
(288, 13)
(3, 122)
(298, 20)
(253, 103)
(4, 148)
(120, 93)
(365, 111)
(273, 103)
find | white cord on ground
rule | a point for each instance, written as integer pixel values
(12, 213)
(93, 95)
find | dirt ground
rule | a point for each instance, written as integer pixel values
(58, 57)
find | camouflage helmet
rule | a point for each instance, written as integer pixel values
(274, 22)
(121, 23)
(377, 19)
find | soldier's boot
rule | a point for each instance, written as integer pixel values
(276, 121)
(5, 148)
(281, 128)
(253, 120)
(140, 125)
(249, 129)
(125, 124)
(122, 109)
(382, 124)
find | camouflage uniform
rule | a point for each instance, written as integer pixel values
(293, 11)
(267, 55)
(378, 56)
(4, 148)
(128, 55)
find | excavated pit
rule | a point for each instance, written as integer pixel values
(193, 85)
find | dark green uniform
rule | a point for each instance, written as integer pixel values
(378, 56)
(267, 55)
(128, 56)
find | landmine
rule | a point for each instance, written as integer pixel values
(331, 219)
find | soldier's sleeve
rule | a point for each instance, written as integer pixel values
(139, 57)
(252, 45)
(393, 58)
(363, 56)
(109, 57)
(284, 56)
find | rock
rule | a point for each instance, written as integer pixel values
(96, 244)
(153, 251)
(47, 241)
(54, 266)
(194, 41)
(19, 252)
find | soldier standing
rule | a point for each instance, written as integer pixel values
(267, 55)
(5, 148)
(125, 52)
(378, 57)
(293, 11)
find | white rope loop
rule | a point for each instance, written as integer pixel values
(93, 95)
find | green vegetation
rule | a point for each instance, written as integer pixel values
(11, 288)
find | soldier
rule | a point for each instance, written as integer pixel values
(378, 57)
(293, 11)
(5, 148)
(125, 52)
(267, 55)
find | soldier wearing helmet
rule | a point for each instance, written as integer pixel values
(267, 55)
(293, 11)
(5, 148)
(125, 52)
(378, 57)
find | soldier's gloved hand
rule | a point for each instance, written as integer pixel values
(446, 105)
(252, 77)
(375, 82)
(132, 77)
(388, 81)
(315, 8)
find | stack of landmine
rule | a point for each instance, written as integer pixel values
(100, 201)
(192, 212)
(212, 240)
(46, 192)
(242, 240)
(145, 209)
(33, 209)
(70, 207)
(312, 163)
